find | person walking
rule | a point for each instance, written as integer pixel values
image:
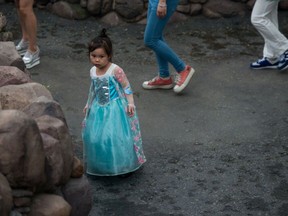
(264, 18)
(111, 133)
(159, 13)
(27, 47)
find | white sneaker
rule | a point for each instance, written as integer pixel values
(22, 47)
(31, 59)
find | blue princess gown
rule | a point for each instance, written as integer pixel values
(111, 139)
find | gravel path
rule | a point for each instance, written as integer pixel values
(219, 149)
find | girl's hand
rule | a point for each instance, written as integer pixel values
(131, 109)
(161, 10)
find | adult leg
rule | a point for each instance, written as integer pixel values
(28, 23)
(22, 24)
(153, 38)
(162, 64)
(265, 19)
(28, 44)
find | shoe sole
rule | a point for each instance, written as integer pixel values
(268, 67)
(145, 86)
(177, 89)
(32, 64)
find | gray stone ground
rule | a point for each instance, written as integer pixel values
(220, 148)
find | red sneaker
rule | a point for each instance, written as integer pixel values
(158, 83)
(183, 79)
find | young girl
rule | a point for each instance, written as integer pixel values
(111, 133)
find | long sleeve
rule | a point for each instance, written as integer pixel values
(124, 82)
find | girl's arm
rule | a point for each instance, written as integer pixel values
(91, 94)
(85, 109)
(91, 97)
(124, 82)
(88, 100)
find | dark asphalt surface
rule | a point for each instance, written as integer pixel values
(220, 148)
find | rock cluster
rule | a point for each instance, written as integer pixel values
(114, 12)
(39, 173)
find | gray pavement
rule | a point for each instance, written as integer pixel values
(220, 148)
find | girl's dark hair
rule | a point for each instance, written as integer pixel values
(101, 41)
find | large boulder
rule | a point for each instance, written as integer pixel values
(19, 96)
(49, 205)
(99, 7)
(69, 11)
(54, 160)
(112, 19)
(22, 158)
(223, 8)
(6, 200)
(44, 106)
(78, 193)
(129, 9)
(61, 143)
(9, 56)
(10, 75)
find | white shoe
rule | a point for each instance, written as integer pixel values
(31, 59)
(22, 47)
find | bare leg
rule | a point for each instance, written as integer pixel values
(28, 22)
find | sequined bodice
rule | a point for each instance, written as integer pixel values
(104, 89)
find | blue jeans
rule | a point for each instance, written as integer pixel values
(153, 38)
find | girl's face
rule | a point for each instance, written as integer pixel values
(99, 58)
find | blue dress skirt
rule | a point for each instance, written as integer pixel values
(111, 139)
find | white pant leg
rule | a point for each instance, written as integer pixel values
(265, 19)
